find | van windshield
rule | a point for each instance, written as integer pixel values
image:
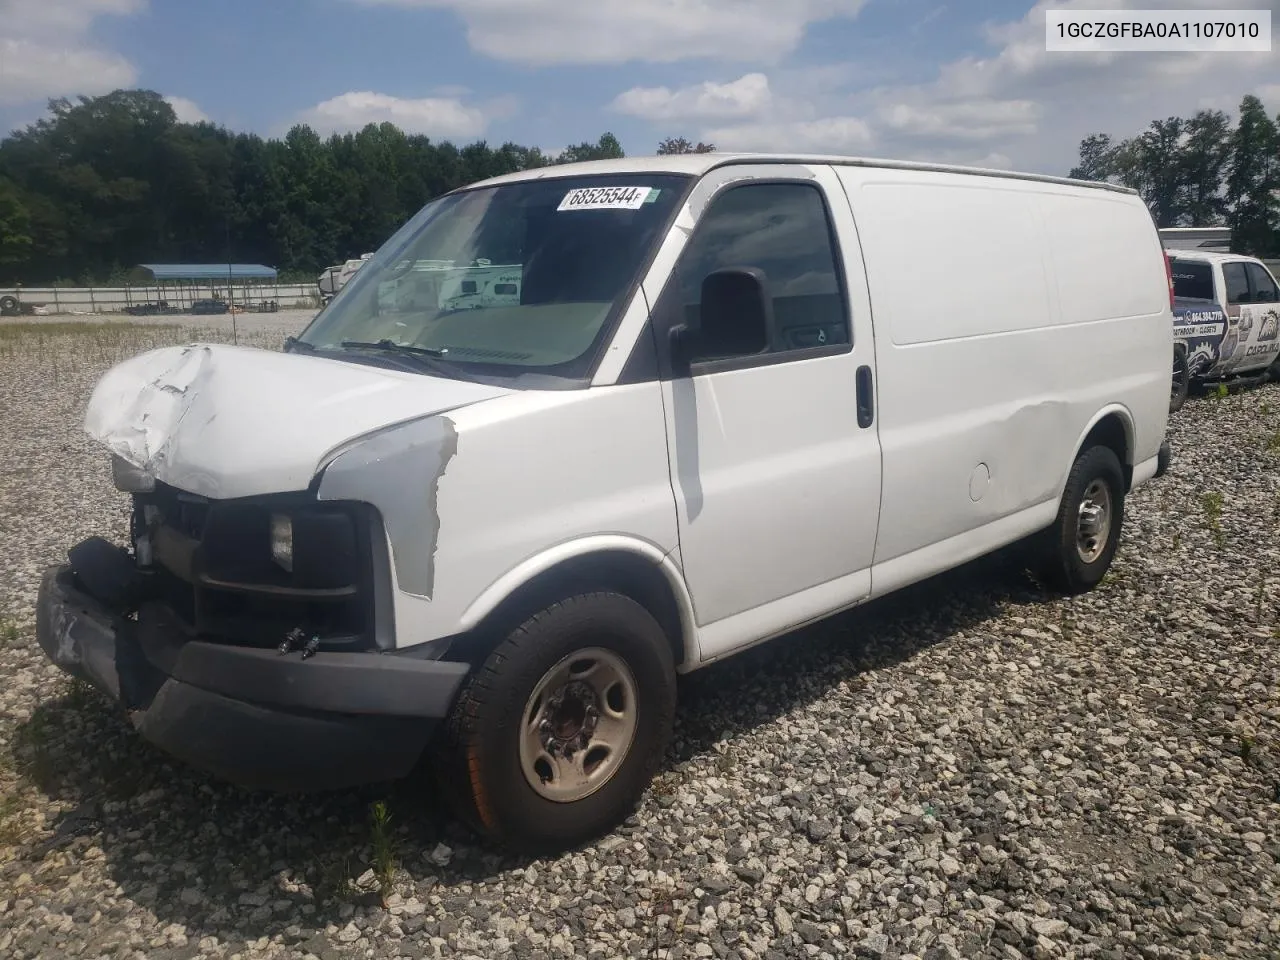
(523, 278)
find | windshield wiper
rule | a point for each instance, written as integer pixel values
(420, 358)
(392, 347)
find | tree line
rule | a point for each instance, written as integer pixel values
(1201, 171)
(104, 183)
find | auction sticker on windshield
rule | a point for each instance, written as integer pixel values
(608, 198)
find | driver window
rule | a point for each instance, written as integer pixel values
(1264, 288)
(783, 230)
(1237, 283)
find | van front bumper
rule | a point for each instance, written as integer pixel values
(249, 715)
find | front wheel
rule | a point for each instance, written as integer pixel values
(560, 730)
(1076, 552)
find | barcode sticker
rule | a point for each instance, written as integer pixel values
(606, 198)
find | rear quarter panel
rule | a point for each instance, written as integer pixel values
(1198, 327)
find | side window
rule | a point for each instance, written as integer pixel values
(781, 229)
(1192, 279)
(1264, 287)
(1237, 282)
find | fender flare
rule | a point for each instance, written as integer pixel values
(506, 585)
(1130, 440)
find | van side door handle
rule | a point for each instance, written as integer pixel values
(866, 397)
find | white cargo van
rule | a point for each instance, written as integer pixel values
(734, 395)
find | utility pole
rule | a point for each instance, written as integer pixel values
(231, 290)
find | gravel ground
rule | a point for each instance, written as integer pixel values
(971, 768)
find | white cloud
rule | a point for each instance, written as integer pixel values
(1014, 106)
(822, 135)
(966, 120)
(30, 70)
(745, 97)
(745, 114)
(46, 51)
(1034, 106)
(544, 32)
(61, 16)
(444, 117)
(188, 111)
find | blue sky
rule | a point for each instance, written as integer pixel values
(958, 81)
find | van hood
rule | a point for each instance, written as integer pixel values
(224, 421)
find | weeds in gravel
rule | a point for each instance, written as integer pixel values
(31, 749)
(1066, 624)
(11, 807)
(384, 848)
(1247, 742)
(12, 804)
(80, 694)
(1273, 442)
(9, 632)
(1212, 503)
(333, 879)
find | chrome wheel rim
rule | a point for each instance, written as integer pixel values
(578, 725)
(1093, 523)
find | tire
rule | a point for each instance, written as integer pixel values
(1181, 381)
(1063, 562)
(8, 306)
(492, 753)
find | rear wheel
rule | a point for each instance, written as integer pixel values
(559, 732)
(1076, 552)
(1181, 381)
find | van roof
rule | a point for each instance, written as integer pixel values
(697, 164)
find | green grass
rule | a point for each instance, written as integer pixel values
(13, 805)
(384, 848)
(1212, 504)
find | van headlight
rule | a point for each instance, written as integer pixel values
(129, 478)
(282, 540)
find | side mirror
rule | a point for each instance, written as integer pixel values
(735, 319)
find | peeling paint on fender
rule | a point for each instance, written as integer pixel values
(398, 471)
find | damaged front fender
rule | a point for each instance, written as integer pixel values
(398, 471)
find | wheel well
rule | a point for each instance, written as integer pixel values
(627, 573)
(1111, 432)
